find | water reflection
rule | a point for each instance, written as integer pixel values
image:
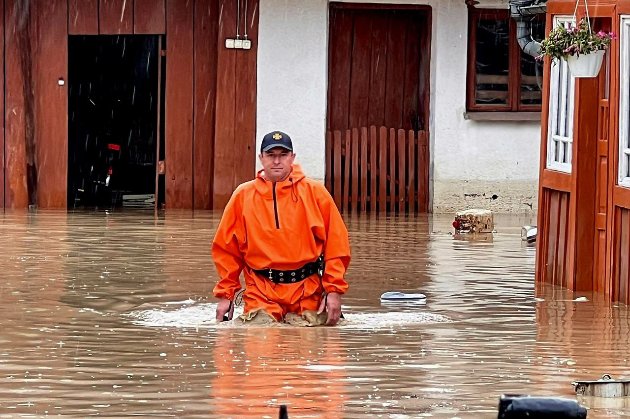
(257, 369)
(111, 315)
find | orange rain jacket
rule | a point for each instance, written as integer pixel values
(280, 226)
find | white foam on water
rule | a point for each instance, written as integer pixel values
(391, 319)
(202, 315)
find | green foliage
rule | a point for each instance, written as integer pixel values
(574, 40)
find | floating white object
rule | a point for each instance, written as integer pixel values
(529, 233)
(401, 296)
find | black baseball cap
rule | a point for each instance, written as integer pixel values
(276, 139)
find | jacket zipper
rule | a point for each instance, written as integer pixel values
(275, 206)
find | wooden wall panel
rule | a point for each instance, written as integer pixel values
(393, 42)
(622, 260)
(235, 126)
(205, 50)
(36, 127)
(411, 86)
(339, 69)
(224, 151)
(378, 74)
(554, 233)
(2, 110)
(19, 112)
(116, 16)
(51, 106)
(149, 16)
(395, 73)
(244, 164)
(83, 17)
(360, 78)
(354, 167)
(179, 104)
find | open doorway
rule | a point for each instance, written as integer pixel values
(114, 110)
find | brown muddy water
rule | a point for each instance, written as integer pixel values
(112, 315)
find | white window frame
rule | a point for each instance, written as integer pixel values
(561, 109)
(624, 105)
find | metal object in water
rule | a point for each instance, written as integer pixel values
(518, 406)
(604, 387)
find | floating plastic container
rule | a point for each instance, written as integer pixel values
(529, 233)
(401, 296)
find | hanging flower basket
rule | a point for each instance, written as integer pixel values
(582, 48)
(586, 65)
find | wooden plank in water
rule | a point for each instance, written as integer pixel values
(355, 169)
(347, 163)
(411, 165)
(337, 175)
(392, 170)
(402, 168)
(423, 172)
(382, 169)
(364, 168)
(373, 171)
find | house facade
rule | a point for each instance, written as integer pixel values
(399, 106)
(584, 216)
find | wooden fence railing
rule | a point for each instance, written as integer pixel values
(384, 170)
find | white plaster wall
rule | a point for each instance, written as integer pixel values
(292, 76)
(468, 158)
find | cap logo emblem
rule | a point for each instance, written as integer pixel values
(277, 136)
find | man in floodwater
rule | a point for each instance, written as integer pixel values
(284, 232)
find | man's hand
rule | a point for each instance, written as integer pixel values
(224, 307)
(331, 303)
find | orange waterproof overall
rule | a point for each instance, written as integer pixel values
(282, 225)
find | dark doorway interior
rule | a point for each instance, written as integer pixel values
(113, 121)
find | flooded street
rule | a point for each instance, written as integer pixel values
(112, 315)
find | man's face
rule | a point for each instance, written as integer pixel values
(277, 163)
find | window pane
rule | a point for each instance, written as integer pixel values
(532, 70)
(492, 61)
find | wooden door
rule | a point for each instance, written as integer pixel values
(602, 150)
(619, 173)
(574, 169)
(379, 58)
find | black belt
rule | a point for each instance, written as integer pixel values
(296, 275)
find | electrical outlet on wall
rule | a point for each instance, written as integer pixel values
(247, 44)
(238, 43)
(229, 43)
